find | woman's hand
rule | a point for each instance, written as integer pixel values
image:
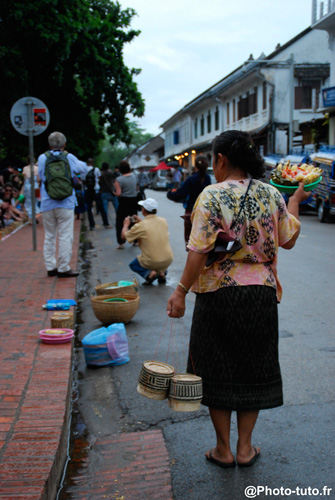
(194, 265)
(301, 195)
(176, 304)
(294, 200)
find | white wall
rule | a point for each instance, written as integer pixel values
(312, 48)
(136, 161)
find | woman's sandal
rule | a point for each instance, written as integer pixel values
(252, 461)
(223, 465)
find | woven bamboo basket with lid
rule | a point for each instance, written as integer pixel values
(62, 319)
(185, 393)
(115, 312)
(154, 380)
(114, 290)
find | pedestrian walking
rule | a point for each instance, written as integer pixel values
(190, 190)
(234, 333)
(177, 177)
(143, 183)
(80, 196)
(126, 191)
(56, 169)
(26, 172)
(93, 194)
(107, 188)
(152, 235)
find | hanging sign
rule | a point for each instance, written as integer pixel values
(328, 96)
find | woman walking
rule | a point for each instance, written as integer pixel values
(126, 191)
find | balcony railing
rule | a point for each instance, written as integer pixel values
(321, 9)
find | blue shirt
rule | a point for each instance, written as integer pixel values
(77, 167)
(190, 190)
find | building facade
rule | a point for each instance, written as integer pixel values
(323, 18)
(277, 98)
(147, 155)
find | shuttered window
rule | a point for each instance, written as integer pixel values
(209, 122)
(303, 95)
(217, 118)
(246, 106)
(255, 100)
(264, 96)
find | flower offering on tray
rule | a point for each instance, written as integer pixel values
(290, 175)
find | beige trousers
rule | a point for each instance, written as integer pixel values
(58, 221)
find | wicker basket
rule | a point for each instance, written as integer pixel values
(129, 290)
(115, 312)
(62, 319)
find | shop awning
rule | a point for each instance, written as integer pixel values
(161, 166)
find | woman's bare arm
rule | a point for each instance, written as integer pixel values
(193, 267)
(293, 207)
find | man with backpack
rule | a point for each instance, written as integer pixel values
(93, 194)
(56, 169)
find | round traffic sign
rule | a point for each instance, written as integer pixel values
(29, 114)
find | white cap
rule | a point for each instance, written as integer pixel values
(149, 204)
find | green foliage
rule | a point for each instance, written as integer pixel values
(114, 153)
(69, 54)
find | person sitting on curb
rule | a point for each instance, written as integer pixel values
(153, 238)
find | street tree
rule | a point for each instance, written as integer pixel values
(69, 55)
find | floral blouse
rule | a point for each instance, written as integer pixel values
(263, 226)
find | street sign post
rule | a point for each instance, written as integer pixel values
(30, 116)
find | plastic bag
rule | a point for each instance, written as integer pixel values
(125, 283)
(59, 304)
(119, 284)
(106, 346)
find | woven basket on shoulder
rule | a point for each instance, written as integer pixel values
(115, 292)
(115, 312)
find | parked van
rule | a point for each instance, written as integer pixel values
(323, 197)
(159, 180)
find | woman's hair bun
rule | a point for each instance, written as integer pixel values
(201, 164)
(241, 152)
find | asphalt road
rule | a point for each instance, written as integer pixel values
(296, 440)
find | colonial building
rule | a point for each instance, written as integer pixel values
(323, 18)
(148, 154)
(277, 98)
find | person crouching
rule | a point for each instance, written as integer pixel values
(152, 236)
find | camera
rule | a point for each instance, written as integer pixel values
(132, 222)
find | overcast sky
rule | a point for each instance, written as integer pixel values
(186, 46)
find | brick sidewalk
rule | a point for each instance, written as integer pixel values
(128, 466)
(35, 378)
(35, 392)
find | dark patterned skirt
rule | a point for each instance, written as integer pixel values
(234, 348)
